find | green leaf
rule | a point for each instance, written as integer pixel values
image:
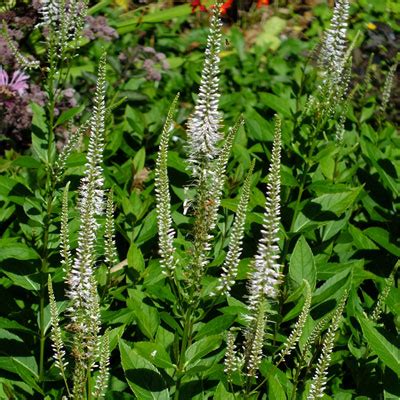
(148, 229)
(17, 251)
(61, 307)
(215, 326)
(154, 353)
(222, 394)
(23, 281)
(302, 264)
(333, 227)
(115, 335)
(361, 241)
(27, 162)
(258, 128)
(382, 165)
(167, 14)
(175, 162)
(139, 159)
(143, 378)
(276, 103)
(10, 324)
(275, 389)
(98, 7)
(381, 236)
(24, 367)
(270, 371)
(147, 317)
(135, 258)
(202, 347)
(386, 351)
(320, 211)
(337, 203)
(39, 134)
(333, 288)
(68, 114)
(393, 300)
(4, 334)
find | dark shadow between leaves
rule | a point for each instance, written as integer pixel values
(375, 189)
(13, 348)
(388, 167)
(193, 388)
(19, 190)
(314, 212)
(146, 379)
(323, 309)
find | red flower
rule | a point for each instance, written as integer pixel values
(197, 4)
(261, 3)
(226, 6)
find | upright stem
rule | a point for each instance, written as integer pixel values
(89, 385)
(295, 383)
(50, 189)
(44, 272)
(187, 334)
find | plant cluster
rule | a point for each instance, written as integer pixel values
(242, 249)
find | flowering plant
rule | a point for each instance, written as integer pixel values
(244, 258)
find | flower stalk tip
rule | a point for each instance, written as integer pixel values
(166, 233)
(266, 272)
(205, 122)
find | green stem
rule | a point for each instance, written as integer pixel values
(89, 385)
(247, 391)
(187, 333)
(295, 383)
(43, 273)
(50, 188)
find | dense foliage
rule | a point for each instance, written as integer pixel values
(258, 263)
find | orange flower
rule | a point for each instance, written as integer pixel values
(197, 4)
(226, 6)
(261, 3)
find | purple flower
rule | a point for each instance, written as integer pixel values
(147, 59)
(18, 82)
(15, 113)
(97, 27)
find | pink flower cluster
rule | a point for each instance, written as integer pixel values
(18, 82)
(15, 114)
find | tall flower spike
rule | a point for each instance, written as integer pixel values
(319, 380)
(266, 273)
(294, 336)
(230, 266)
(65, 247)
(163, 198)
(387, 88)
(102, 378)
(333, 53)
(254, 341)
(49, 11)
(82, 290)
(22, 60)
(380, 304)
(319, 327)
(219, 176)
(64, 20)
(232, 361)
(110, 251)
(210, 183)
(72, 143)
(56, 337)
(74, 139)
(205, 122)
